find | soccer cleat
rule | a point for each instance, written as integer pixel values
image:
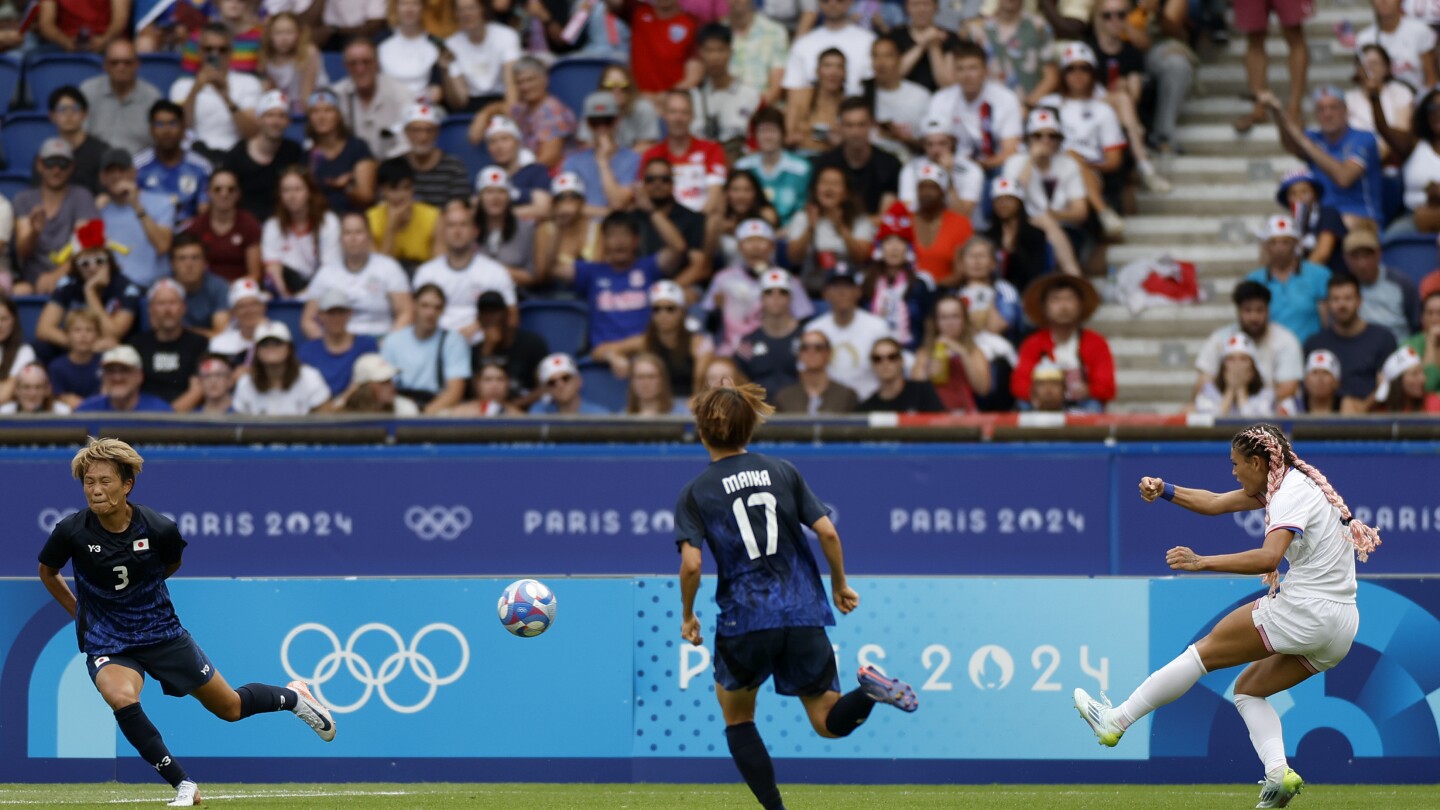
(312, 711)
(1279, 794)
(1100, 716)
(888, 690)
(187, 794)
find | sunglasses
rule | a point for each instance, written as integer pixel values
(665, 308)
(814, 347)
(560, 380)
(659, 178)
(87, 262)
(892, 357)
(57, 163)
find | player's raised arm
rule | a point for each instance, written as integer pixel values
(845, 597)
(1200, 501)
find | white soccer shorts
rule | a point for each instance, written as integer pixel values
(1318, 630)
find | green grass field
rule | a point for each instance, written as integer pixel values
(706, 797)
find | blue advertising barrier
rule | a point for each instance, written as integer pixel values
(426, 685)
(927, 510)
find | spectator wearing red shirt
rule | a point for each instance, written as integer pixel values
(662, 44)
(83, 25)
(699, 164)
(939, 232)
(1061, 305)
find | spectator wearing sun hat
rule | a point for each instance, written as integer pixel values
(1321, 228)
(770, 354)
(1402, 385)
(372, 389)
(247, 314)
(1060, 305)
(1320, 390)
(1297, 287)
(503, 235)
(258, 160)
(602, 163)
(529, 178)
(967, 179)
(562, 383)
(439, 177)
(735, 293)
(1238, 390)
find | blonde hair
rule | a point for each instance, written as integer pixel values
(726, 416)
(1268, 442)
(74, 316)
(113, 451)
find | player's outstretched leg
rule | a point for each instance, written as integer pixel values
(881, 689)
(261, 698)
(315, 714)
(1164, 685)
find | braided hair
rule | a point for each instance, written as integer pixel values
(1268, 442)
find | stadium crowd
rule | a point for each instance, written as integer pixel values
(864, 206)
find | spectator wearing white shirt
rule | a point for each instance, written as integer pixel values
(372, 103)
(900, 104)
(985, 115)
(278, 383)
(303, 236)
(967, 179)
(852, 332)
(236, 343)
(218, 102)
(376, 284)
(485, 53)
(1050, 180)
(722, 104)
(1092, 133)
(345, 21)
(410, 56)
(1380, 103)
(1409, 42)
(836, 31)
(463, 273)
(1238, 390)
(1278, 356)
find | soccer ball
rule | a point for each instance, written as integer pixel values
(527, 608)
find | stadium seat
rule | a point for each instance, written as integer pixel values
(21, 136)
(454, 132)
(161, 70)
(602, 387)
(334, 62)
(1411, 254)
(288, 312)
(563, 324)
(296, 130)
(9, 83)
(29, 307)
(48, 73)
(571, 80)
(12, 184)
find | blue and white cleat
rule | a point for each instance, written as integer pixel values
(888, 690)
(1279, 794)
(1100, 717)
(315, 714)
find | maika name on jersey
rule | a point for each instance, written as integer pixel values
(745, 479)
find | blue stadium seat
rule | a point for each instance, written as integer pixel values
(9, 83)
(602, 387)
(161, 70)
(1411, 254)
(29, 307)
(288, 312)
(12, 184)
(46, 74)
(21, 136)
(296, 130)
(334, 65)
(563, 324)
(571, 80)
(454, 131)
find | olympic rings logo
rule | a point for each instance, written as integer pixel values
(375, 679)
(51, 516)
(438, 521)
(1252, 521)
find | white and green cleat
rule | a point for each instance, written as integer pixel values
(1100, 717)
(1279, 794)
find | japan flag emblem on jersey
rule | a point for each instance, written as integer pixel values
(143, 544)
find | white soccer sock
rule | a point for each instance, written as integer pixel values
(1265, 733)
(1167, 683)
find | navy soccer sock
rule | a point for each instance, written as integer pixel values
(142, 734)
(848, 713)
(259, 698)
(748, 751)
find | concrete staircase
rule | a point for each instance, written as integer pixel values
(1224, 188)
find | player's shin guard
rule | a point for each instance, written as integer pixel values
(1263, 723)
(259, 698)
(142, 734)
(849, 712)
(1166, 684)
(748, 751)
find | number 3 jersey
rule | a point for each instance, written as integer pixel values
(751, 510)
(119, 579)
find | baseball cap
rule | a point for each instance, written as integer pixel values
(115, 156)
(930, 172)
(667, 291)
(121, 356)
(272, 100)
(936, 126)
(245, 288)
(1006, 187)
(567, 183)
(775, 280)
(601, 104)
(1240, 343)
(556, 364)
(56, 147)
(1400, 361)
(334, 298)
(1323, 360)
(1361, 239)
(1047, 369)
(501, 125)
(842, 273)
(1076, 53)
(1042, 120)
(272, 330)
(493, 177)
(371, 367)
(1280, 226)
(754, 229)
(1297, 175)
(490, 300)
(421, 114)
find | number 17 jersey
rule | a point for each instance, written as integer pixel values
(752, 509)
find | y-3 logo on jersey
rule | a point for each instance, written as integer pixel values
(94, 549)
(205, 670)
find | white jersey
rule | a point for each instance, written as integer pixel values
(1321, 557)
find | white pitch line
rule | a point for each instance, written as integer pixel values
(209, 797)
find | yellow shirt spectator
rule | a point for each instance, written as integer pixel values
(415, 242)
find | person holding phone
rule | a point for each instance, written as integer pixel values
(218, 103)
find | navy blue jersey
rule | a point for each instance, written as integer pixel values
(751, 509)
(119, 579)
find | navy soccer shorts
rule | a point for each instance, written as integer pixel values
(800, 658)
(179, 665)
